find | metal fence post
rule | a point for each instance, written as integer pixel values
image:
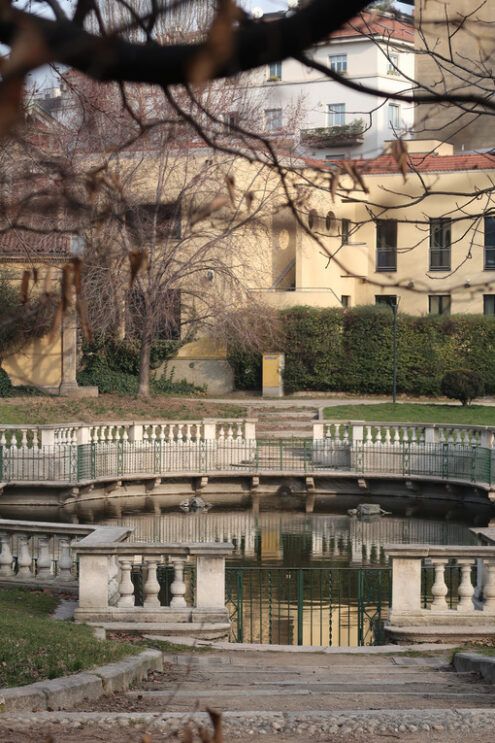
(300, 605)
(1, 464)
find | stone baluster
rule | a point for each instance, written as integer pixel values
(161, 434)
(221, 434)
(24, 559)
(3, 439)
(171, 438)
(466, 588)
(125, 434)
(439, 589)
(178, 587)
(188, 433)
(126, 586)
(489, 585)
(44, 562)
(151, 586)
(387, 438)
(6, 559)
(64, 560)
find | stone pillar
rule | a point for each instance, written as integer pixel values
(210, 429)
(406, 585)
(178, 587)
(69, 386)
(210, 582)
(93, 581)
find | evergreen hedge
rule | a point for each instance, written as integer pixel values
(351, 351)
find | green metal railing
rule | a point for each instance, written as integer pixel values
(72, 463)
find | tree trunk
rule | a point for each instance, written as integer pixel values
(144, 366)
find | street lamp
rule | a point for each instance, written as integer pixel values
(395, 307)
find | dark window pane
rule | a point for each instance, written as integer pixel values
(386, 245)
(489, 304)
(440, 244)
(439, 304)
(388, 299)
(490, 243)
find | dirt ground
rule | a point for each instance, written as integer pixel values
(139, 734)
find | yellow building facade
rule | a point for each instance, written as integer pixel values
(425, 239)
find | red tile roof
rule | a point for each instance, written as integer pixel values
(26, 244)
(369, 24)
(428, 163)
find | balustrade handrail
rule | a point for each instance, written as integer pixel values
(183, 549)
(419, 551)
(406, 424)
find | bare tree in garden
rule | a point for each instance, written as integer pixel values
(148, 45)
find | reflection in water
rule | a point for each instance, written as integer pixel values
(295, 540)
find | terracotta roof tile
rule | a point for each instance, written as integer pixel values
(30, 244)
(369, 25)
(429, 163)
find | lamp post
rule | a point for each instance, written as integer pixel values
(395, 307)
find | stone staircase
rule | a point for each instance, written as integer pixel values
(292, 696)
(284, 422)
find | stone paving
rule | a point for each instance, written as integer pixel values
(289, 695)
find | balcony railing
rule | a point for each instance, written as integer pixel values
(333, 136)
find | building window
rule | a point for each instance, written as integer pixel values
(389, 299)
(336, 114)
(275, 71)
(393, 116)
(440, 244)
(231, 120)
(386, 245)
(345, 230)
(439, 304)
(338, 62)
(273, 119)
(393, 64)
(489, 243)
(330, 221)
(345, 300)
(489, 304)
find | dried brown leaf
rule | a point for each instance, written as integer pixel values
(249, 199)
(147, 738)
(205, 735)
(230, 181)
(137, 261)
(77, 265)
(219, 44)
(25, 286)
(57, 321)
(35, 276)
(399, 153)
(334, 184)
(216, 721)
(82, 309)
(359, 179)
(10, 104)
(66, 286)
(47, 285)
(187, 735)
(213, 206)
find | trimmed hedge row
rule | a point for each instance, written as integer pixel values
(351, 351)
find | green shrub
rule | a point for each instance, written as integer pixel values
(165, 385)
(98, 374)
(463, 385)
(5, 383)
(352, 350)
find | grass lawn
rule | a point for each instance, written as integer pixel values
(481, 415)
(33, 410)
(35, 647)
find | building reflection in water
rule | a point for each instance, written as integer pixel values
(296, 540)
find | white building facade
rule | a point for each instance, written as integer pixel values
(331, 119)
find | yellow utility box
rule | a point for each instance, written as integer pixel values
(273, 367)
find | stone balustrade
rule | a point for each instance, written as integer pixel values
(390, 434)
(42, 554)
(109, 432)
(107, 593)
(473, 607)
(37, 552)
